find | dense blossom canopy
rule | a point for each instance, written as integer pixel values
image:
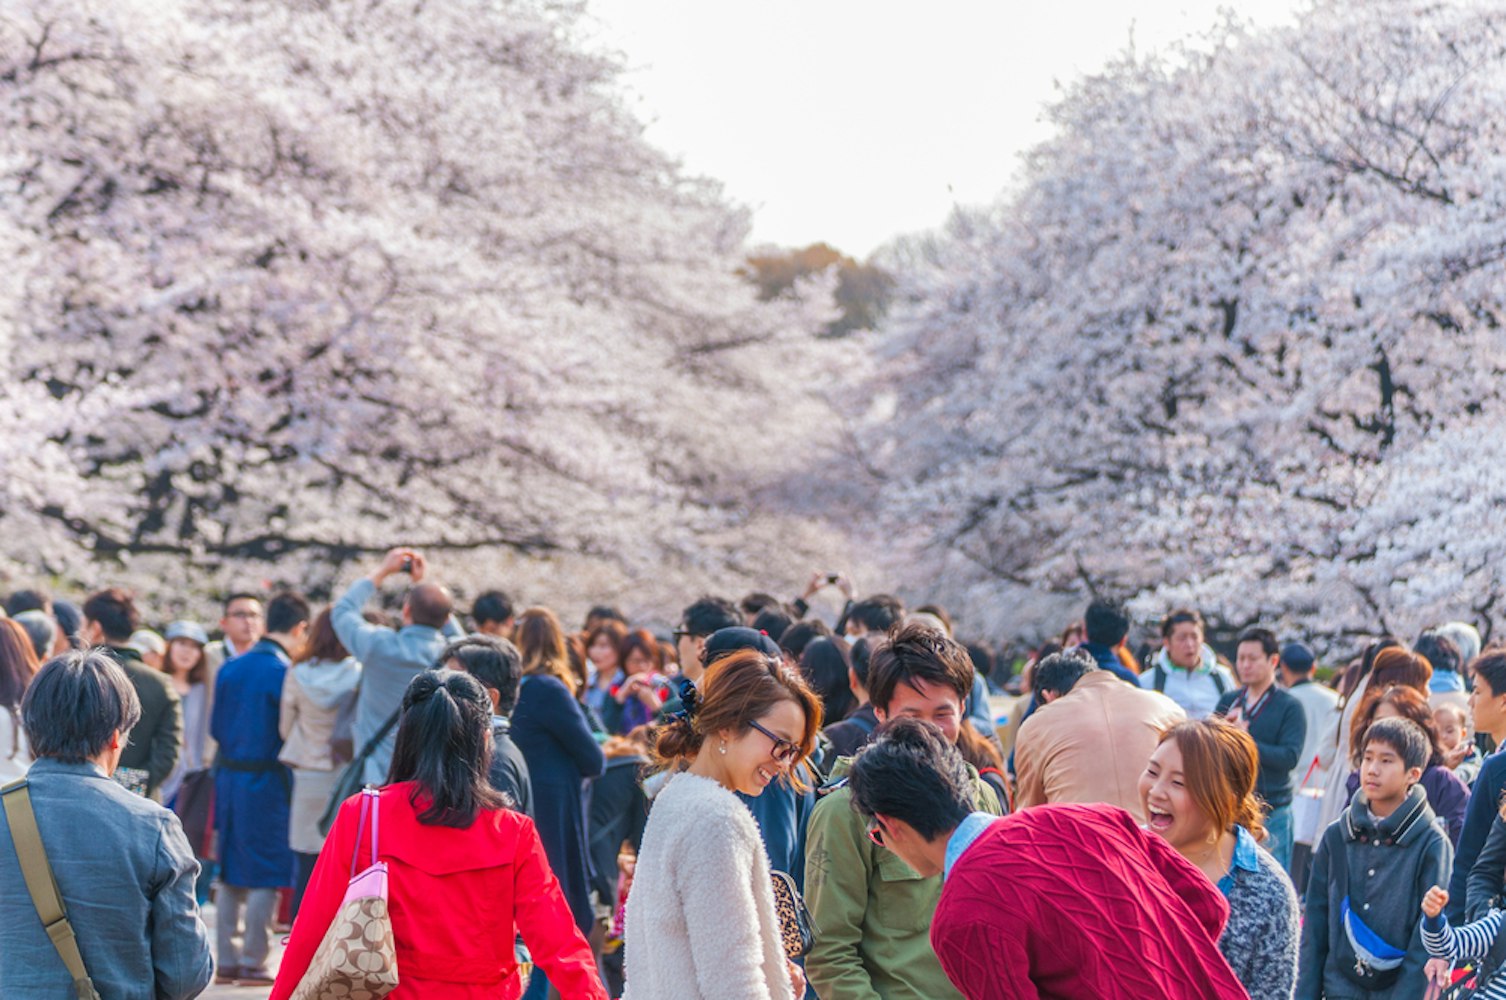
(290, 281)
(1235, 341)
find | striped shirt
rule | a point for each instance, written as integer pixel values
(1472, 941)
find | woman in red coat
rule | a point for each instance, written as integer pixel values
(465, 872)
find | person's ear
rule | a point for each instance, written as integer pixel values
(496, 698)
(1414, 775)
(880, 714)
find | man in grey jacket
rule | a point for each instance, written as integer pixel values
(391, 658)
(123, 868)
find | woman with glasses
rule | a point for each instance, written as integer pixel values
(700, 919)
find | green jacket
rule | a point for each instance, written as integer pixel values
(872, 912)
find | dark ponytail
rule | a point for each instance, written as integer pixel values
(443, 748)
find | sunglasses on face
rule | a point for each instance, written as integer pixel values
(784, 751)
(876, 832)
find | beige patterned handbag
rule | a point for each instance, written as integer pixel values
(357, 959)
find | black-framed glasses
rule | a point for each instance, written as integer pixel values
(681, 633)
(784, 750)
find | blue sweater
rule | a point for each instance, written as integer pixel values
(1478, 817)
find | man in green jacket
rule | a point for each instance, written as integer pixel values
(872, 912)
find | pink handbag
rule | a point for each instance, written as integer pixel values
(357, 959)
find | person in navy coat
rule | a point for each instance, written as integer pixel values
(253, 791)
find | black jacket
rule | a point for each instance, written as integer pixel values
(1486, 880)
(509, 772)
(156, 740)
(1279, 730)
(619, 811)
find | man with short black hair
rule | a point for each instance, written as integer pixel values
(252, 791)
(1059, 901)
(493, 613)
(698, 623)
(870, 910)
(874, 616)
(1185, 669)
(1089, 738)
(1106, 623)
(600, 615)
(390, 658)
(755, 603)
(110, 617)
(498, 666)
(123, 868)
(30, 599)
(1277, 723)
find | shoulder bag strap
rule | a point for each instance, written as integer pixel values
(42, 885)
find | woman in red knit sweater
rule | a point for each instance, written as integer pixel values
(465, 872)
(1059, 901)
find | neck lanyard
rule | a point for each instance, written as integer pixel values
(1252, 712)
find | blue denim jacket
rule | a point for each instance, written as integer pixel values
(126, 875)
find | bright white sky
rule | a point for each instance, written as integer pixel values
(851, 121)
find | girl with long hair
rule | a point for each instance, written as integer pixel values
(1198, 791)
(467, 874)
(700, 921)
(549, 726)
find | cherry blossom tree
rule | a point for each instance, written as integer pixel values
(305, 279)
(1234, 340)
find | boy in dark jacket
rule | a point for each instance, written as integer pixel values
(1362, 934)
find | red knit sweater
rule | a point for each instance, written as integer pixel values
(1073, 901)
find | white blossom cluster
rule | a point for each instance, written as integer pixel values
(291, 281)
(1235, 340)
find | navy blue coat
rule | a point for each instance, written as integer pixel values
(251, 788)
(550, 727)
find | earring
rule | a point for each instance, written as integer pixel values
(724, 748)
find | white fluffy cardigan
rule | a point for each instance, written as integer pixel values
(700, 921)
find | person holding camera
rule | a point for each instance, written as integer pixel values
(391, 658)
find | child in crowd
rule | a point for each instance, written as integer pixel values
(1362, 935)
(1472, 942)
(1460, 754)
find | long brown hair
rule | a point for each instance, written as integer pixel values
(1409, 704)
(198, 673)
(1399, 665)
(18, 662)
(735, 690)
(1219, 767)
(541, 640)
(323, 645)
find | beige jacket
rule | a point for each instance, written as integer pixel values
(1091, 744)
(318, 707)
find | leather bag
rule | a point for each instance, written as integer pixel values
(357, 958)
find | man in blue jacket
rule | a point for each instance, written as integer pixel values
(253, 791)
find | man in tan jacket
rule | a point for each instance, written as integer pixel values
(1091, 739)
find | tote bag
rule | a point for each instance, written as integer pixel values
(357, 959)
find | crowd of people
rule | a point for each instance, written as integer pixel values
(754, 804)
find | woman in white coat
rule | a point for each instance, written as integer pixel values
(700, 921)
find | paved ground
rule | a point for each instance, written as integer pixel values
(239, 992)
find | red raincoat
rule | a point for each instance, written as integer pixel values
(457, 899)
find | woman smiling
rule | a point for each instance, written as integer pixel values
(1199, 794)
(700, 919)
